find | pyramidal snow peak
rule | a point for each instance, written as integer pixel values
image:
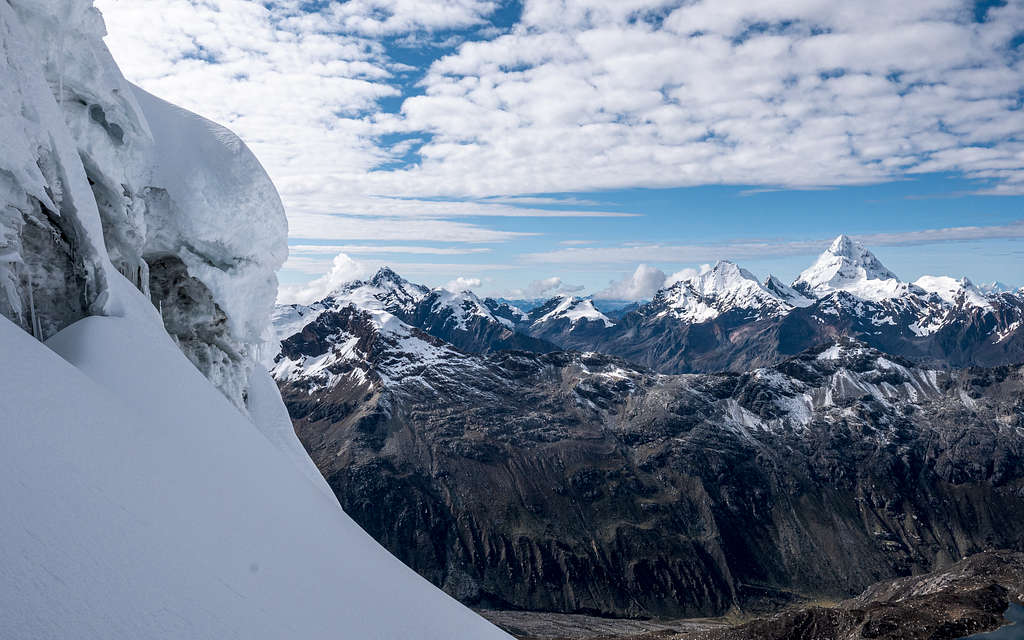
(570, 308)
(847, 265)
(151, 481)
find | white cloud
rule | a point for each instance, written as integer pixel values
(343, 269)
(329, 227)
(686, 274)
(545, 287)
(462, 284)
(387, 17)
(590, 94)
(740, 249)
(587, 95)
(642, 284)
(379, 249)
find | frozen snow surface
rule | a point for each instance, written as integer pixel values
(139, 503)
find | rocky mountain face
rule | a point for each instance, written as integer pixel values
(583, 483)
(967, 598)
(725, 319)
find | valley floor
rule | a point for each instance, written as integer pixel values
(534, 625)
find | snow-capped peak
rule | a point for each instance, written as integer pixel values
(953, 291)
(847, 265)
(722, 288)
(572, 308)
(385, 290)
(463, 305)
(386, 277)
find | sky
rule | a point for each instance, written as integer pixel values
(605, 147)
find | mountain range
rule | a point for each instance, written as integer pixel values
(724, 319)
(832, 438)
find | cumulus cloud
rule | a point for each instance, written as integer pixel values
(587, 95)
(642, 284)
(375, 249)
(545, 287)
(462, 283)
(686, 274)
(343, 269)
(388, 17)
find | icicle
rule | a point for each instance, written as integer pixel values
(37, 331)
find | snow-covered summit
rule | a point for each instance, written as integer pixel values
(721, 289)
(571, 308)
(993, 287)
(847, 265)
(462, 305)
(384, 290)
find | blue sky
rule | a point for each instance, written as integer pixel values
(529, 148)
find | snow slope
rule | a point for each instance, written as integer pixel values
(954, 292)
(139, 503)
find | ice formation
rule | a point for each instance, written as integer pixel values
(100, 177)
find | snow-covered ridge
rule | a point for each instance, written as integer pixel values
(954, 292)
(98, 177)
(385, 291)
(364, 345)
(846, 284)
(786, 293)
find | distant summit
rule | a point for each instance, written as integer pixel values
(847, 265)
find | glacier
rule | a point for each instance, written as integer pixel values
(152, 485)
